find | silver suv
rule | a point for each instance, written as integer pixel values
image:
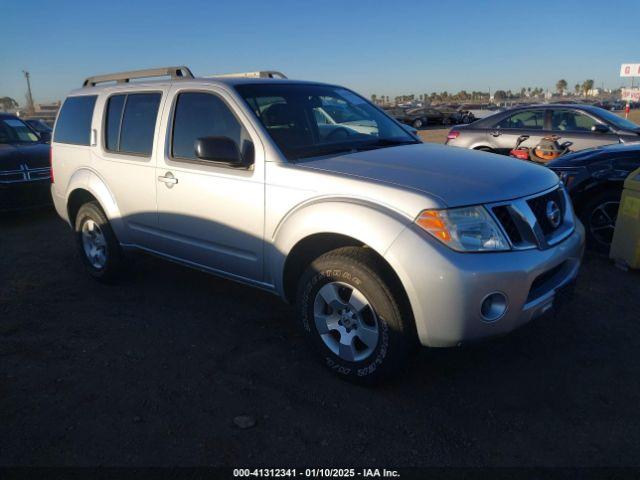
(380, 241)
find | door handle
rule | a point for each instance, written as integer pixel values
(168, 179)
(496, 133)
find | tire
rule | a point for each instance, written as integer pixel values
(417, 123)
(599, 217)
(97, 244)
(375, 343)
(484, 149)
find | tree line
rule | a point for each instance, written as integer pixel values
(481, 97)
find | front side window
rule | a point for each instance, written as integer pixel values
(199, 114)
(74, 120)
(571, 121)
(529, 119)
(307, 120)
(14, 130)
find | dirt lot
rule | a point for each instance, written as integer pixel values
(153, 371)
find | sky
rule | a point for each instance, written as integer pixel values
(382, 47)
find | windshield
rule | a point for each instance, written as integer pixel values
(39, 125)
(313, 120)
(13, 130)
(616, 120)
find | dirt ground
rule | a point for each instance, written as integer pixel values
(153, 371)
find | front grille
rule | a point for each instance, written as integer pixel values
(25, 174)
(506, 220)
(526, 224)
(538, 206)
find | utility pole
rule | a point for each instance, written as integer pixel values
(30, 106)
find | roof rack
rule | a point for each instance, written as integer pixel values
(175, 73)
(258, 74)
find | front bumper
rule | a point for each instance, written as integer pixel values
(446, 288)
(24, 195)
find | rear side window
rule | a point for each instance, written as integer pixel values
(529, 119)
(131, 122)
(114, 117)
(203, 115)
(74, 121)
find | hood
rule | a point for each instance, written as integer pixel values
(455, 176)
(14, 155)
(593, 155)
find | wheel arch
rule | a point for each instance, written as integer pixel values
(86, 185)
(315, 229)
(589, 190)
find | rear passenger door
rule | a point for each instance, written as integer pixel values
(126, 159)
(504, 135)
(575, 126)
(210, 214)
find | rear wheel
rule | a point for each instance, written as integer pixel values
(484, 149)
(354, 316)
(97, 244)
(599, 217)
(417, 123)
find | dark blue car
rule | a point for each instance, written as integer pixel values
(25, 174)
(594, 178)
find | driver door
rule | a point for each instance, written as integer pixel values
(210, 214)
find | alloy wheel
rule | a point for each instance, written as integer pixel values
(346, 321)
(94, 244)
(602, 222)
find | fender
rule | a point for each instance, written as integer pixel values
(372, 224)
(89, 180)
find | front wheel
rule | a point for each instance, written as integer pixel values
(97, 244)
(354, 315)
(599, 218)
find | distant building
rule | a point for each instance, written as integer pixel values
(43, 111)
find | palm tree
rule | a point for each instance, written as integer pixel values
(577, 88)
(8, 103)
(561, 86)
(586, 86)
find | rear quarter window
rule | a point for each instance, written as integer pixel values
(74, 121)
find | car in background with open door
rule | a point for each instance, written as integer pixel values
(585, 126)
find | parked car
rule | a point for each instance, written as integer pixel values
(594, 179)
(481, 111)
(382, 242)
(583, 125)
(421, 117)
(43, 130)
(24, 166)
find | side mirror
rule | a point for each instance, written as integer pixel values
(599, 128)
(219, 149)
(45, 137)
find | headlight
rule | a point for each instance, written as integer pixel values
(467, 229)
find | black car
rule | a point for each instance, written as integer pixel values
(594, 179)
(43, 130)
(25, 173)
(421, 117)
(585, 126)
